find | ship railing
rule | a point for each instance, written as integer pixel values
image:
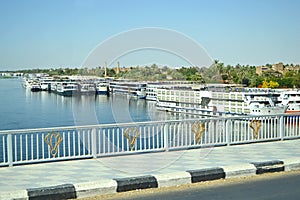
(95, 141)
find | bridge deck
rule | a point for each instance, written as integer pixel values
(89, 170)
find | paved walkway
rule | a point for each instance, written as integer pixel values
(79, 171)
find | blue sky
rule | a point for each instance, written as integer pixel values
(62, 33)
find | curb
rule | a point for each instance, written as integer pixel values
(15, 195)
(66, 191)
(292, 164)
(208, 174)
(269, 166)
(88, 189)
(237, 171)
(173, 179)
(109, 186)
(135, 183)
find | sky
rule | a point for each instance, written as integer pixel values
(62, 33)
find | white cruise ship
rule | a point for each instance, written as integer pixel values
(133, 89)
(290, 98)
(264, 103)
(87, 88)
(66, 89)
(248, 101)
(222, 100)
(102, 88)
(185, 99)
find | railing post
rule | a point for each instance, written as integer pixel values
(9, 150)
(166, 136)
(94, 142)
(227, 131)
(281, 127)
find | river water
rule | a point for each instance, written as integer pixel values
(22, 109)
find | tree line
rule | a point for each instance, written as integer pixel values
(216, 73)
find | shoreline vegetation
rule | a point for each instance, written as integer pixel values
(270, 75)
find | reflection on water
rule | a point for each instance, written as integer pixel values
(114, 109)
(20, 108)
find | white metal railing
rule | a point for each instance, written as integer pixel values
(62, 143)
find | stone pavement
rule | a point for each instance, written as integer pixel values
(18, 181)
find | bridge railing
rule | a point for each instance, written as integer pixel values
(75, 142)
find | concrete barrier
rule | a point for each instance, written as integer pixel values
(207, 174)
(236, 171)
(16, 195)
(89, 189)
(173, 179)
(135, 183)
(269, 166)
(66, 191)
(291, 164)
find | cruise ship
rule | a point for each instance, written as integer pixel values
(290, 98)
(102, 88)
(132, 89)
(221, 100)
(86, 88)
(264, 104)
(185, 98)
(32, 84)
(247, 101)
(66, 89)
(45, 83)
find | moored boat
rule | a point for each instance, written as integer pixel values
(102, 88)
(185, 99)
(133, 89)
(87, 88)
(32, 84)
(264, 104)
(66, 89)
(291, 98)
(46, 83)
(35, 87)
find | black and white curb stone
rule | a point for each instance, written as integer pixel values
(269, 166)
(66, 191)
(88, 189)
(135, 183)
(208, 174)
(80, 190)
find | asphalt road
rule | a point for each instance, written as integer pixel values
(269, 186)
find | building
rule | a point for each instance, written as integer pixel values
(279, 67)
(262, 69)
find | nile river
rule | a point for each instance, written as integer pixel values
(22, 109)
